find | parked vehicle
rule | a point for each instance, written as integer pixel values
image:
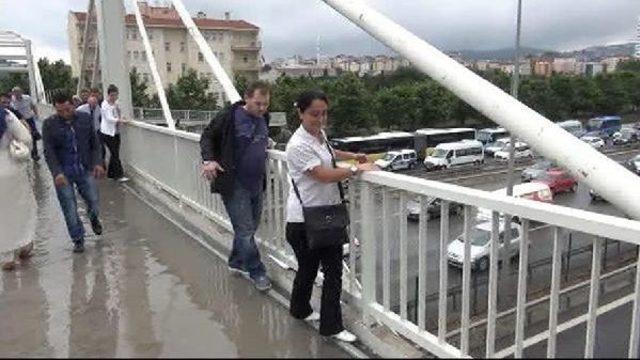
(457, 153)
(605, 124)
(521, 150)
(574, 127)
(480, 237)
(559, 180)
(499, 145)
(531, 190)
(398, 160)
(427, 139)
(433, 209)
(624, 136)
(594, 141)
(633, 164)
(536, 170)
(490, 135)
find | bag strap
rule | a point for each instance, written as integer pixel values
(333, 162)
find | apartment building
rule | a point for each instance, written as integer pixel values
(236, 44)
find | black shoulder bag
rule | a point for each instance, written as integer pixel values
(326, 225)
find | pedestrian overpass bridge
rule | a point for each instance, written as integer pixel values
(155, 284)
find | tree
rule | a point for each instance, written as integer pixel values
(56, 76)
(629, 65)
(350, 106)
(191, 93)
(8, 81)
(139, 88)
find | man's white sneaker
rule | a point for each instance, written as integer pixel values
(123, 179)
(314, 316)
(345, 336)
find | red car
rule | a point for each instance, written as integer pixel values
(559, 180)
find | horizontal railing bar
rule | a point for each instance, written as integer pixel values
(547, 297)
(567, 325)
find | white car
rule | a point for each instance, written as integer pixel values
(480, 245)
(594, 141)
(498, 145)
(521, 150)
(398, 160)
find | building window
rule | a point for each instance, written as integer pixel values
(168, 67)
(150, 34)
(134, 35)
(221, 56)
(182, 47)
(184, 67)
(167, 46)
(135, 54)
(221, 37)
(200, 57)
(129, 54)
(245, 59)
(144, 55)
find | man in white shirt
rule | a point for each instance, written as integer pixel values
(27, 108)
(92, 108)
(110, 133)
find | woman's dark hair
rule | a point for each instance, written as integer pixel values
(112, 89)
(306, 98)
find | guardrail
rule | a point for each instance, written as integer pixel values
(397, 251)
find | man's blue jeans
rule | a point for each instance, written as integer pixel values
(244, 209)
(67, 197)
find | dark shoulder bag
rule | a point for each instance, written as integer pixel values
(326, 225)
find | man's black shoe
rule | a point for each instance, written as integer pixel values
(96, 226)
(78, 247)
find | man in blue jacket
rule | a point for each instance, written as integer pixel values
(72, 151)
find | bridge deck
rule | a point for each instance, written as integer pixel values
(143, 289)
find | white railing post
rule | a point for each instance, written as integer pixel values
(551, 141)
(153, 67)
(368, 248)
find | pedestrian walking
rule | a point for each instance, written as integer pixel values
(316, 195)
(93, 109)
(111, 120)
(18, 222)
(72, 152)
(24, 104)
(234, 153)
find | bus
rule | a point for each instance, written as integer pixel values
(573, 127)
(490, 135)
(427, 139)
(605, 125)
(380, 143)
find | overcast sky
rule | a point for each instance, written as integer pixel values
(291, 27)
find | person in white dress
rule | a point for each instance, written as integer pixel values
(17, 201)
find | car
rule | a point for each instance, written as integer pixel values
(498, 145)
(624, 136)
(433, 209)
(521, 150)
(536, 170)
(530, 190)
(398, 160)
(462, 152)
(558, 181)
(480, 245)
(595, 141)
(633, 164)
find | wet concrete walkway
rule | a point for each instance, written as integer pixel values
(143, 289)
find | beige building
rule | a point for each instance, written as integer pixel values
(235, 43)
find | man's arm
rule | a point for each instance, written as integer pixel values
(49, 149)
(210, 138)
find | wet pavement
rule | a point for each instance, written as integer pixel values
(143, 289)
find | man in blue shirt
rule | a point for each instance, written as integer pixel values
(234, 154)
(72, 151)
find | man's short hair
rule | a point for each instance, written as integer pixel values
(61, 97)
(16, 88)
(261, 86)
(112, 89)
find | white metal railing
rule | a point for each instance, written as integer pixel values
(190, 120)
(415, 253)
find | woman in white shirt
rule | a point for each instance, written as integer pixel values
(310, 167)
(18, 220)
(110, 133)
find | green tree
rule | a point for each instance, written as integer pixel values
(396, 107)
(139, 88)
(351, 106)
(8, 81)
(56, 76)
(191, 93)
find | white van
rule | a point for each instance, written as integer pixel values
(531, 190)
(521, 150)
(456, 153)
(574, 127)
(397, 160)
